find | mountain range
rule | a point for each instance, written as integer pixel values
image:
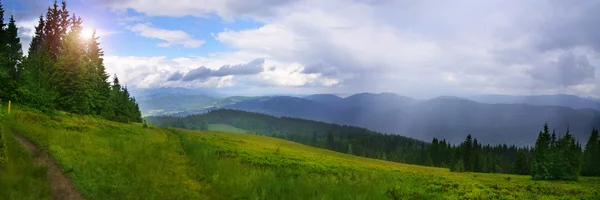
(492, 119)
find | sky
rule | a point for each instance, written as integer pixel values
(410, 47)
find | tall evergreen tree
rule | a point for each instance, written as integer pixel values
(591, 155)
(540, 168)
(467, 153)
(2, 31)
(72, 84)
(521, 166)
(13, 56)
(97, 76)
(38, 39)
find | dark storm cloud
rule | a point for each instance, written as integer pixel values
(253, 67)
(569, 69)
(201, 73)
(175, 76)
(320, 68)
(574, 23)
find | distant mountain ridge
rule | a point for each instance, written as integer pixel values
(442, 117)
(570, 101)
(491, 119)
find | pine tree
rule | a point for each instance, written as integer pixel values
(520, 166)
(467, 153)
(2, 31)
(53, 32)
(4, 69)
(540, 168)
(591, 156)
(314, 138)
(72, 85)
(38, 39)
(97, 76)
(433, 153)
(13, 57)
(330, 140)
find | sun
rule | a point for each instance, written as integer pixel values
(86, 34)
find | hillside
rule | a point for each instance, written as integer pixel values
(108, 159)
(451, 118)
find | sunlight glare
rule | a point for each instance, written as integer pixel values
(86, 34)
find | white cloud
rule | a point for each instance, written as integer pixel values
(148, 72)
(172, 37)
(411, 47)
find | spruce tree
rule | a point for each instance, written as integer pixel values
(4, 69)
(2, 31)
(97, 76)
(591, 156)
(13, 57)
(72, 85)
(37, 42)
(520, 166)
(540, 168)
(467, 153)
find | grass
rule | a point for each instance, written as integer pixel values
(19, 177)
(225, 128)
(108, 160)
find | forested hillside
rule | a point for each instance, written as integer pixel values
(469, 155)
(442, 117)
(62, 69)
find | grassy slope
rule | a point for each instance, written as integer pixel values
(19, 177)
(225, 128)
(108, 159)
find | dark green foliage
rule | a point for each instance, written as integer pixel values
(459, 166)
(541, 165)
(521, 166)
(556, 157)
(591, 156)
(62, 70)
(10, 57)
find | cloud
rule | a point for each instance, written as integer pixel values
(224, 8)
(172, 37)
(253, 67)
(419, 48)
(160, 71)
(175, 76)
(320, 68)
(568, 69)
(201, 73)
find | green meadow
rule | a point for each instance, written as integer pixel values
(108, 160)
(225, 128)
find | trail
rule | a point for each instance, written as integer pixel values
(62, 188)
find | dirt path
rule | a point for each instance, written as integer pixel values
(62, 187)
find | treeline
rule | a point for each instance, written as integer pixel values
(62, 70)
(561, 159)
(345, 139)
(554, 157)
(472, 156)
